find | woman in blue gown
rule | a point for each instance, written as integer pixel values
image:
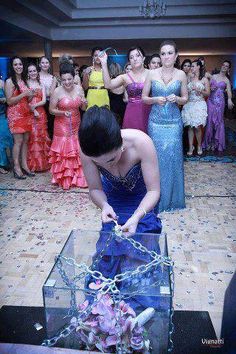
(168, 87)
(121, 169)
(6, 140)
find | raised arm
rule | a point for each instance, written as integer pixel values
(96, 192)
(108, 82)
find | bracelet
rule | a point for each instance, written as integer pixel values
(143, 210)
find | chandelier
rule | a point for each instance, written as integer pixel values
(153, 8)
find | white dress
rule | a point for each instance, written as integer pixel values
(194, 112)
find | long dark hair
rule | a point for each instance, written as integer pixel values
(67, 68)
(99, 132)
(12, 72)
(184, 62)
(139, 49)
(201, 70)
(230, 64)
(95, 49)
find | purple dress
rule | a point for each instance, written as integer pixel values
(215, 129)
(136, 113)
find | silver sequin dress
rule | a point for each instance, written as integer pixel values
(165, 127)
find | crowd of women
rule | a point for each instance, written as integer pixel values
(41, 114)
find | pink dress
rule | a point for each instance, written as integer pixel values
(137, 112)
(39, 142)
(64, 155)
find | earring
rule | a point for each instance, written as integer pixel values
(122, 148)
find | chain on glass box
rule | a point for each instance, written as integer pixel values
(101, 302)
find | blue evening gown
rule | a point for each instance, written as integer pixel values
(165, 127)
(6, 140)
(124, 194)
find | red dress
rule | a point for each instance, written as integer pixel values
(39, 142)
(64, 155)
(19, 114)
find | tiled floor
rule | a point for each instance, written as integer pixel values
(37, 218)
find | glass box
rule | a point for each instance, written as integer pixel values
(75, 285)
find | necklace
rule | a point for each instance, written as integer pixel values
(167, 80)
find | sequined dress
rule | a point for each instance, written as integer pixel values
(64, 155)
(6, 140)
(194, 112)
(165, 127)
(137, 112)
(124, 194)
(19, 115)
(39, 141)
(215, 130)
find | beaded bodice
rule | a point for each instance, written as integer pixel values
(132, 182)
(217, 91)
(195, 91)
(169, 113)
(134, 90)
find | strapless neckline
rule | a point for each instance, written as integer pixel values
(69, 98)
(120, 177)
(218, 82)
(168, 85)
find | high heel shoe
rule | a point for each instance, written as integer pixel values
(199, 151)
(29, 174)
(190, 152)
(18, 176)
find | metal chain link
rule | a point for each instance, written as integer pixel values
(109, 285)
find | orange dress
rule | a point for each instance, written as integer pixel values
(64, 155)
(39, 142)
(19, 115)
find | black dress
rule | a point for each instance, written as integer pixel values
(117, 105)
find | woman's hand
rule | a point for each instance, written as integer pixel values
(230, 104)
(68, 114)
(171, 98)
(29, 93)
(129, 228)
(32, 107)
(160, 100)
(108, 214)
(103, 57)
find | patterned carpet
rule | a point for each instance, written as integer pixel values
(37, 219)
